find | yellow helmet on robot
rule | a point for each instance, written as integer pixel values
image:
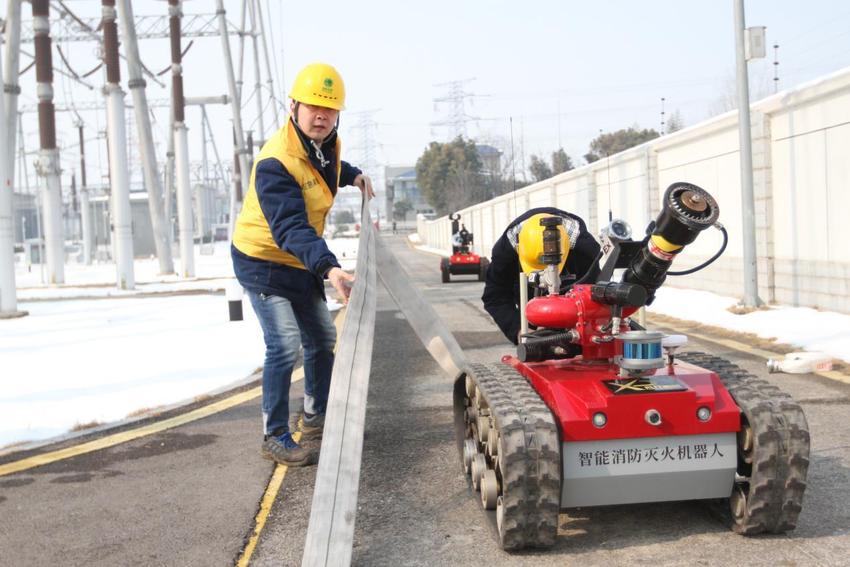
(319, 84)
(530, 244)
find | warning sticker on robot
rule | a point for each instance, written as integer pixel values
(644, 385)
(630, 456)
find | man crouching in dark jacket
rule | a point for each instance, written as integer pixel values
(501, 288)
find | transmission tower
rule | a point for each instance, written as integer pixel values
(367, 149)
(368, 145)
(456, 117)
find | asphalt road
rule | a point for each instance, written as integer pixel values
(188, 496)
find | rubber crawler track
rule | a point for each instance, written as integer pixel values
(776, 476)
(529, 457)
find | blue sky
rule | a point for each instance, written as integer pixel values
(562, 70)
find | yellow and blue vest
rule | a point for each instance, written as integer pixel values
(277, 242)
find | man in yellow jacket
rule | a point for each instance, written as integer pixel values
(281, 259)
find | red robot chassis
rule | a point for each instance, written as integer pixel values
(595, 410)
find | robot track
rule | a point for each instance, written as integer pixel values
(510, 448)
(773, 450)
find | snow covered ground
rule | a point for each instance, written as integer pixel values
(87, 360)
(99, 359)
(75, 362)
(212, 272)
(810, 329)
(416, 241)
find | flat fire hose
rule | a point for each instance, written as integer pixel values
(330, 533)
(422, 318)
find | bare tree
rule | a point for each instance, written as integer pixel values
(675, 122)
(539, 169)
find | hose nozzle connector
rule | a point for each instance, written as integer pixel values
(552, 252)
(551, 240)
(686, 211)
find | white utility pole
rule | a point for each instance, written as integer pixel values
(85, 205)
(244, 173)
(186, 230)
(270, 79)
(86, 222)
(205, 172)
(258, 84)
(10, 80)
(242, 32)
(169, 180)
(122, 219)
(143, 125)
(48, 156)
(751, 298)
(8, 297)
(10, 66)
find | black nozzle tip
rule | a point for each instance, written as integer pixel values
(692, 205)
(686, 211)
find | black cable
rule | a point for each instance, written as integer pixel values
(591, 272)
(93, 71)
(710, 260)
(27, 68)
(170, 65)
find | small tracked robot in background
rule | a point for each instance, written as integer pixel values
(462, 261)
(594, 410)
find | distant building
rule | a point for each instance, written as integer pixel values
(348, 199)
(402, 186)
(209, 211)
(491, 159)
(25, 216)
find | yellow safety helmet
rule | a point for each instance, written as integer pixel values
(319, 84)
(530, 244)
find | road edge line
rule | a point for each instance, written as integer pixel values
(268, 500)
(272, 489)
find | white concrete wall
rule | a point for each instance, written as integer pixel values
(801, 171)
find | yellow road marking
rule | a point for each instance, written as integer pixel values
(125, 436)
(157, 427)
(265, 508)
(274, 485)
(735, 345)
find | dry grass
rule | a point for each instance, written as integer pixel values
(743, 309)
(84, 426)
(145, 412)
(8, 448)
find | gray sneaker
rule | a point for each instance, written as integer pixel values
(312, 426)
(284, 450)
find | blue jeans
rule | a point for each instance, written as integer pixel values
(286, 326)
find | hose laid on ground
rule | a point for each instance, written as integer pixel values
(330, 534)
